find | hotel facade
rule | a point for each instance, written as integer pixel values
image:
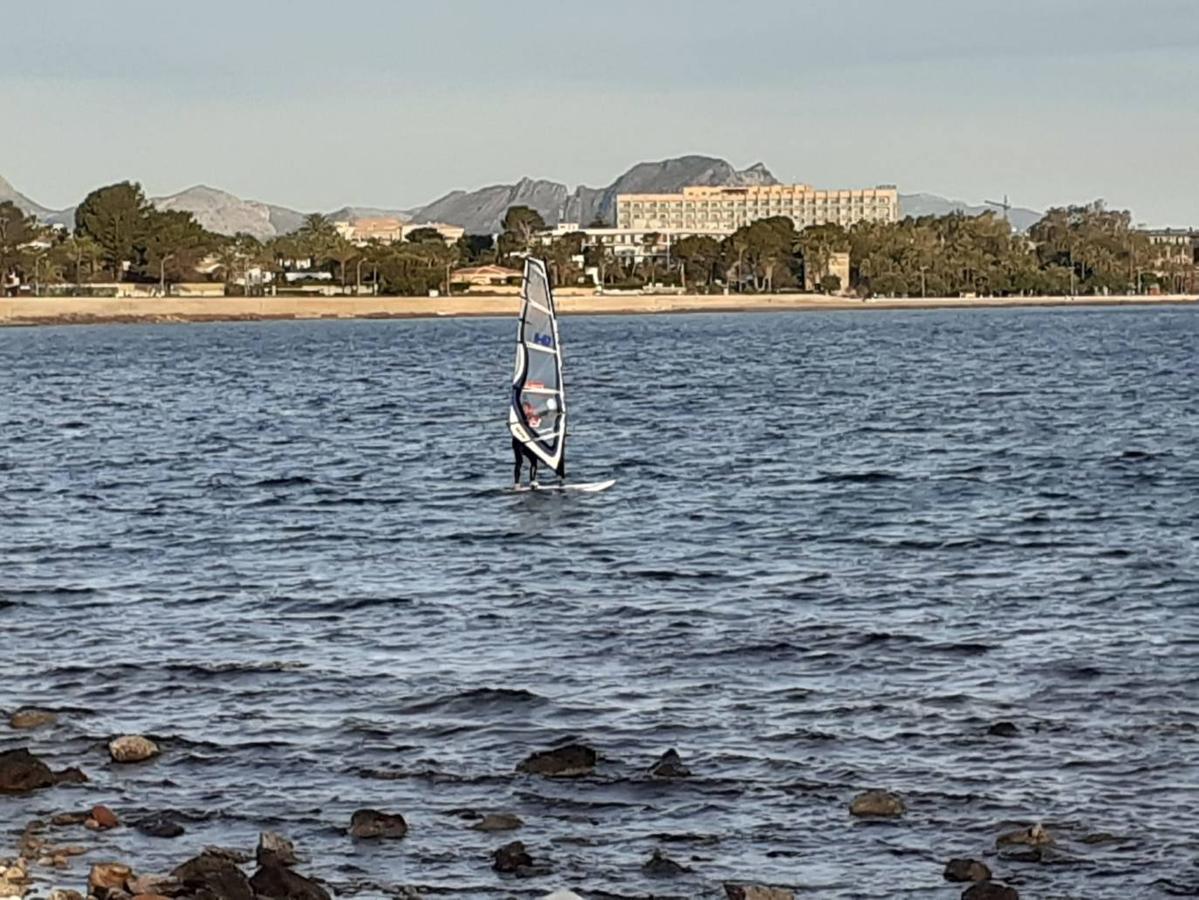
(725, 209)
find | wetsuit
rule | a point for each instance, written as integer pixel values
(519, 455)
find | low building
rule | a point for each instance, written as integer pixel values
(706, 208)
(485, 276)
(636, 243)
(390, 231)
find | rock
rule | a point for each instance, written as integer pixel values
(1004, 729)
(757, 892)
(106, 877)
(14, 878)
(1035, 836)
(661, 866)
(569, 761)
(104, 818)
(670, 765)
(276, 849)
(62, 820)
(152, 885)
(562, 894)
(150, 897)
(21, 771)
(66, 895)
(159, 826)
(281, 883)
(966, 870)
(228, 854)
(498, 822)
(990, 890)
(28, 717)
(216, 875)
(511, 857)
(370, 823)
(877, 803)
(131, 748)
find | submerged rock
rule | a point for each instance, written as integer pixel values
(990, 890)
(1035, 836)
(152, 885)
(569, 761)
(670, 765)
(281, 883)
(498, 822)
(370, 823)
(29, 717)
(159, 826)
(131, 748)
(562, 894)
(514, 859)
(216, 875)
(275, 848)
(757, 892)
(876, 803)
(21, 772)
(662, 866)
(511, 857)
(1004, 729)
(65, 819)
(966, 870)
(64, 895)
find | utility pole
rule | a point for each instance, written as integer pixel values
(1005, 206)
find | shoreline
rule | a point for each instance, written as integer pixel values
(29, 311)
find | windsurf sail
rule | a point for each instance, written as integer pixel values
(537, 412)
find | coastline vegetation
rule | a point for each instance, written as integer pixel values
(119, 236)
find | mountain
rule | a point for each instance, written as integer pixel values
(354, 213)
(225, 213)
(932, 205)
(481, 211)
(27, 206)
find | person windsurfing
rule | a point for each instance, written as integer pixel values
(537, 408)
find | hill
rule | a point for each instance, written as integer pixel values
(933, 205)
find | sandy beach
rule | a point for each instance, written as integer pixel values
(94, 310)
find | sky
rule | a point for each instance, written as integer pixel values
(316, 105)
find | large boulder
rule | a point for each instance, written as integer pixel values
(278, 882)
(212, 877)
(569, 761)
(1034, 836)
(21, 772)
(660, 865)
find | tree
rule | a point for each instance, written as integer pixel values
(519, 225)
(77, 257)
(424, 235)
(474, 249)
(830, 283)
(817, 244)
(115, 217)
(171, 246)
(16, 230)
(699, 256)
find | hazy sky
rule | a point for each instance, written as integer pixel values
(382, 102)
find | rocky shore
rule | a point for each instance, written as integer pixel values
(60, 858)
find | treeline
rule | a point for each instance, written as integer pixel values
(119, 236)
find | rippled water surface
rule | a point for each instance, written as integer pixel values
(841, 546)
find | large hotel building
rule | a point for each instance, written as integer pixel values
(725, 209)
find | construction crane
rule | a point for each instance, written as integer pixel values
(1005, 206)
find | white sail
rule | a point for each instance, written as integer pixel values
(537, 411)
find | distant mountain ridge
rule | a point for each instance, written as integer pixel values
(917, 205)
(481, 211)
